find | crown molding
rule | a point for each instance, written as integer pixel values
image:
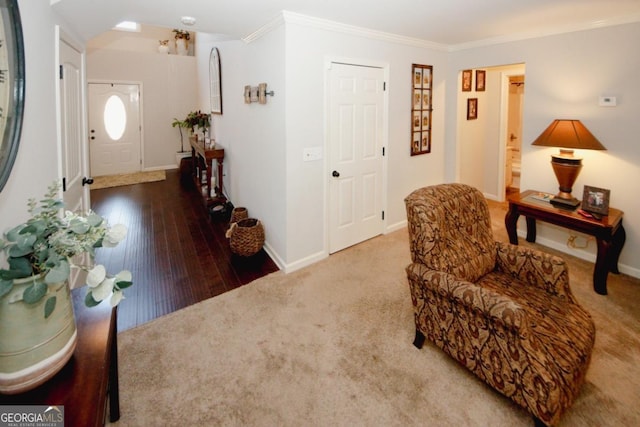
(265, 29)
(327, 25)
(287, 17)
(627, 19)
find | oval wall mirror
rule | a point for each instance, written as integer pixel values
(11, 86)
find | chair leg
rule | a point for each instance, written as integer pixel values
(419, 339)
(537, 422)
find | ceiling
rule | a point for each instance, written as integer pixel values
(444, 22)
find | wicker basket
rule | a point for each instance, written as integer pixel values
(238, 214)
(246, 237)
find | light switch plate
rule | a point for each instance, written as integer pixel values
(312, 153)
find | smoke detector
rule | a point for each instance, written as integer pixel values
(188, 20)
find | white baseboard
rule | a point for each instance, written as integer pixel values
(625, 269)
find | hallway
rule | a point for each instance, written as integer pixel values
(177, 255)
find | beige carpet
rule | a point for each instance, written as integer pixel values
(119, 180)
(331, 345)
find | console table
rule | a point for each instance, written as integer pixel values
(609, 232)
(202, 158)
(90, 376)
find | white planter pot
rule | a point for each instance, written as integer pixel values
(182, 47)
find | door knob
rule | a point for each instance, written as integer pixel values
(87, 181)
(336, 174)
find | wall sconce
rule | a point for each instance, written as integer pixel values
(256, 94)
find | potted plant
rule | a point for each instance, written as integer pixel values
(37, 326)
(182, 41)
(180, 124)
(198, 119)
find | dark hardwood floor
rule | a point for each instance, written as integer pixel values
(177, 254)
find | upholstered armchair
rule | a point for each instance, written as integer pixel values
(505, 312)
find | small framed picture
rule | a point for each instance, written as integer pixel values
(417, 77)
(417, 99)
(480, 80)
(417, 120)
(425, 142)
(467, 77)
(596, 200)
(426, 78)
(415, 145)
(472, 108)
(425, 120)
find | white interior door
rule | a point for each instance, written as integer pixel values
(114, 128)
(73, 146)
(356, 105)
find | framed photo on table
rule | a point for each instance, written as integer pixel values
(596, 200)
(421, 107)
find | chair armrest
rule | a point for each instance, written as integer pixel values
(536, 268)
(494, 307)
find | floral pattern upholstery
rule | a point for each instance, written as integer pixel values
(505, 312)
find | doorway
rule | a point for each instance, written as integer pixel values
(489, 145)
(356, 102)
(513, 154)
(114, 128)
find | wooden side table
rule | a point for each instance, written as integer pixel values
(90, 376)
(609, 232)
(202, 158)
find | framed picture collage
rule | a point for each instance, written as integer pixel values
(421, 108)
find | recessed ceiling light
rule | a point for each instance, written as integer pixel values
(188, 20)
(127, 26)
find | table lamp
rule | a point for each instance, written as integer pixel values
(567, 135)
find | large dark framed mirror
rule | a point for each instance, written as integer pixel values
(11, 86)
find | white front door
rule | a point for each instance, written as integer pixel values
(114, 128)
(356, 105)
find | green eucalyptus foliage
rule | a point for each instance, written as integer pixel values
(44, 245)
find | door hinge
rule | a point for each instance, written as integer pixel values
(383, 151)
(61, 72)
(383, 215)
(64, 184)
(384, 86)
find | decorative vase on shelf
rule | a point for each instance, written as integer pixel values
(163, 47)
(182, 47)
(34, 348)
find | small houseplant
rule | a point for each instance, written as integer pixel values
(37, 326)
(180, 124)
(198, 119)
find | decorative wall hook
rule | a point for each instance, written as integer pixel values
(256, 93)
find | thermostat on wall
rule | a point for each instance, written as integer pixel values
(607, 101)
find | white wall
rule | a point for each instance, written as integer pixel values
(169, 91)
(253, 135)
(565, 75)
(308, 49)
(264, 143)
(36, 165)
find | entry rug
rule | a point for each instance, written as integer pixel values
(107, 181)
